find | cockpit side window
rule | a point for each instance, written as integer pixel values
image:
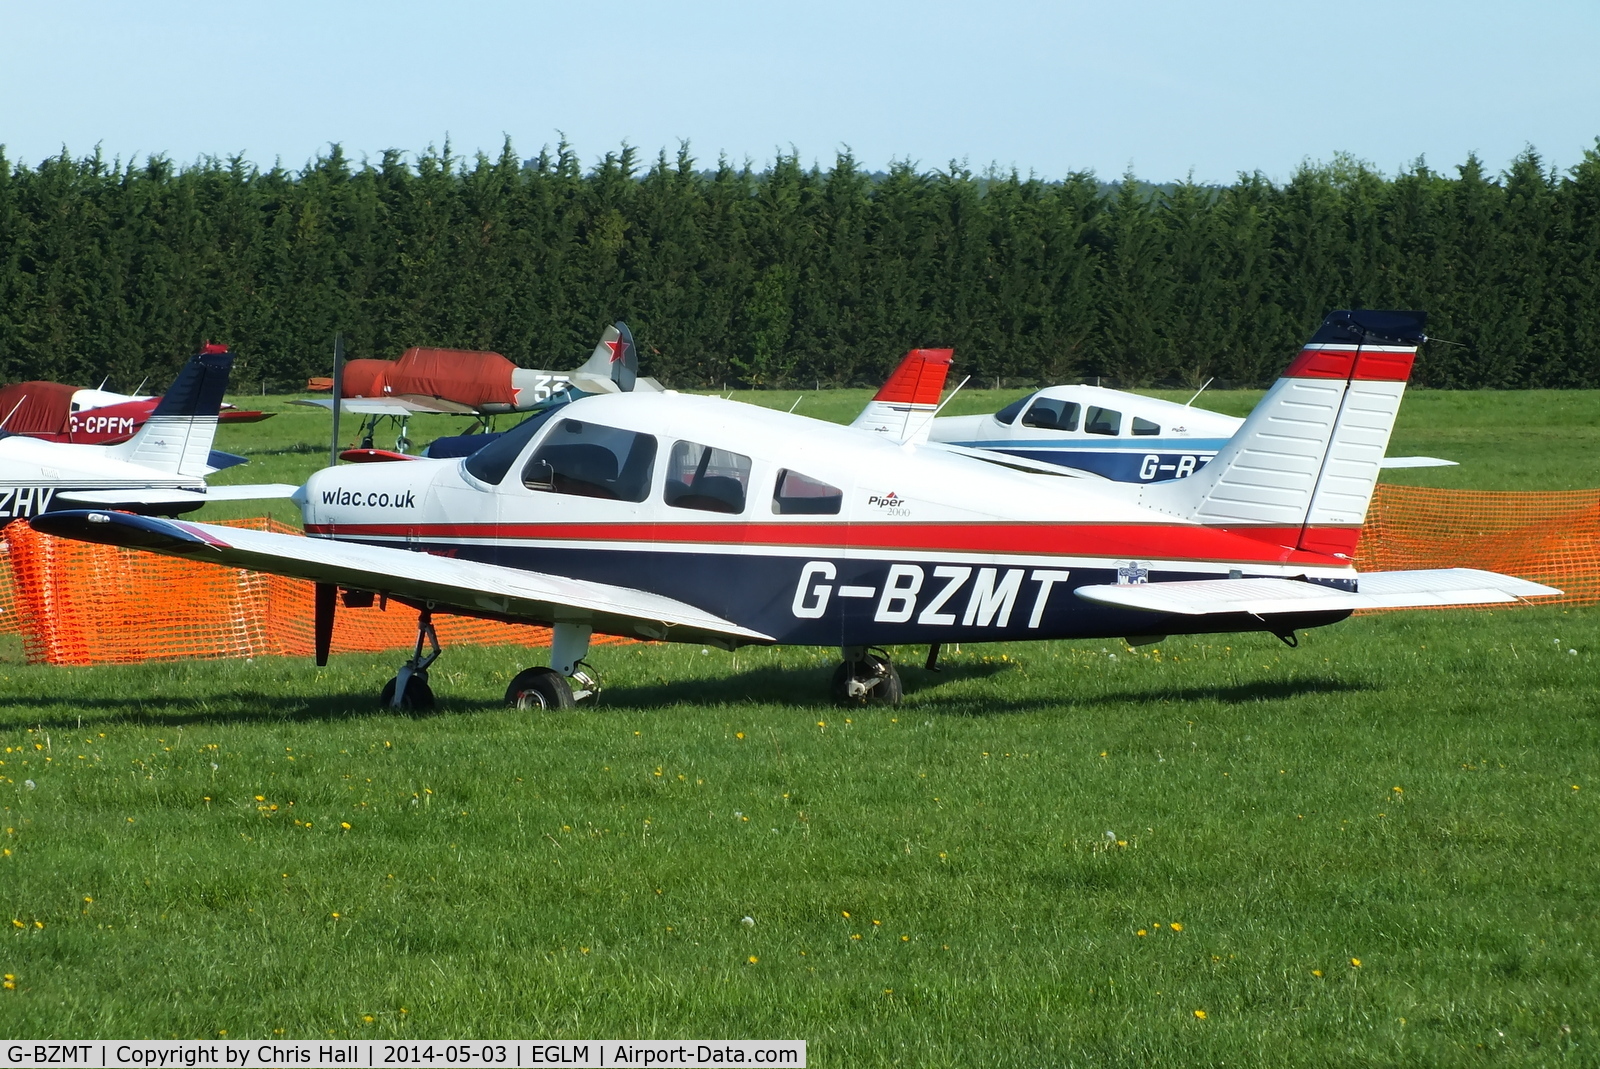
(1009, 413)
(590, 460)
(1102, 421)
(1144, 426)
(1050, 414)
(711, 480)
(491, 463)
(801, 495)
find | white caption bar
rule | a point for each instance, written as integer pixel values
(306, 1054)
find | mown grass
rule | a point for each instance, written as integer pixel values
(586, 874)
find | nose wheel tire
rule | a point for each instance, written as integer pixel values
(872, 680)
(540, 688)
(418, 695)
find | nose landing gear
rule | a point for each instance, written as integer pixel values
(409, 688)
(864, 678)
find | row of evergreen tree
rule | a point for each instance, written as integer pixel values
(788, 275)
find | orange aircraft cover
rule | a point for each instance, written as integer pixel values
(367, 378)
(460, 375)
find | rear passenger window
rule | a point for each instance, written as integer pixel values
(1102, 421)
(588, 460)
(1053, 415)
(1144, 426)
(711, 480)
(801, 495)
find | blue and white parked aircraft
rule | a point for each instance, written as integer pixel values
(703, 520)
(1122, 436)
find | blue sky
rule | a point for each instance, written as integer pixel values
(1166, 88)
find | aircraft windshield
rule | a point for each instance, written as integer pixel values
(1009, 413)
(491, 463)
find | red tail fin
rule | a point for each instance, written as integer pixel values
(919, 380)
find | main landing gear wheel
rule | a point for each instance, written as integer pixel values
(867, 679)
(418, 696)
(540, 688)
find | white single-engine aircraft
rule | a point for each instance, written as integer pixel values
(697, 519)
(1122, 436)
(161, 469)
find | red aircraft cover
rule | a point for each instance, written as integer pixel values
(460, 375)
(366, 378)
(45, 407)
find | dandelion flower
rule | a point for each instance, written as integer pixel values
(345, 824)
(877, 924)
(1355, 962)
(1141, 932)
(1398, 790)
(752, 959)
(1175, 926)
(38, 924)
(367, 1018)
(844, 913)
(17, 924)
(856, 936)
(335, 916)
(738, 734)
(905, 939)
(1200, 1014)
(1316, 972)
(87, 898)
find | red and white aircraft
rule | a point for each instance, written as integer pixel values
(161, 469)
(696, 519)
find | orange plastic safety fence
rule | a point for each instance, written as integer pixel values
(77, 603)
(80, 604)
(1551, 538)
(9, 624)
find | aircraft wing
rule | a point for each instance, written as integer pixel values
(1417, 462)
(1267, 597)
(372, 406)
(1006, 460)
(174, 497)
(466, 586)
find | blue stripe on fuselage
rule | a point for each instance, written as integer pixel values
(764, 592)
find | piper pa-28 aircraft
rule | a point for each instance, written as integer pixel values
(162, 468)
(1122, 436)
(697, 519)
(465, 382)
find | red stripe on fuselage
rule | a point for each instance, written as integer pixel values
(1128, 540)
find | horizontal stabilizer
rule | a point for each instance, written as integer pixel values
(1267, 597)
(1417, 462)
(469, 587)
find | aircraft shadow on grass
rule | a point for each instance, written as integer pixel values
(770, 685)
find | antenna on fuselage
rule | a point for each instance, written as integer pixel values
(797, 401)
(1200, 391)
(338, 395)
(13, 411)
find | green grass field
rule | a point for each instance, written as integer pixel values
(929, 885)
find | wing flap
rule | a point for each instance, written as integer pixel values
(1268, 597)
(468, 586)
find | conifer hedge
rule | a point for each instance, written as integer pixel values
(789, 275)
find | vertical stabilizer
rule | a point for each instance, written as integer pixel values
(903, 408)
(178, 435)
(1302, 468)
(616, 358)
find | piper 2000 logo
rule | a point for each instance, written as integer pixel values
(989, 598)
(891, 504)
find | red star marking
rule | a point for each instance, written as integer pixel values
(619, 349)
